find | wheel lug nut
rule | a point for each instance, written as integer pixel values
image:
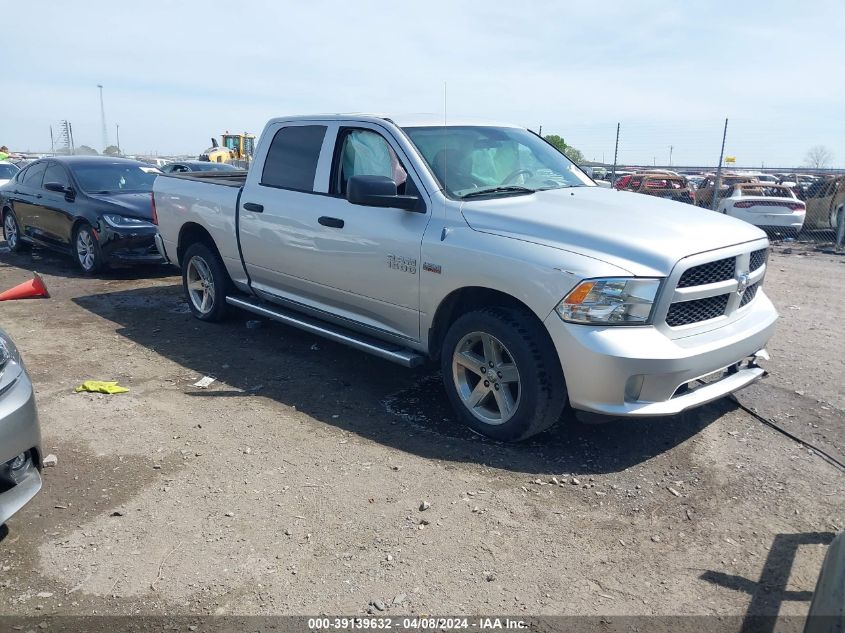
(496, 386)
(483, 370)
(490, 363)
(486, 383)
(499, 374)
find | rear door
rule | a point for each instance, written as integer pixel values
(26, 194)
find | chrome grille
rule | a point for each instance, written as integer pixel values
(749, 294)
(758, 258)
(709, 273)
(686, 312)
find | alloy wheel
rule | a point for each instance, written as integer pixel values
(200, 285)
(85, 249)
(486, 378)
(10, 230)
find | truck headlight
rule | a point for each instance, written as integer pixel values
(611, 301)
(120, 222)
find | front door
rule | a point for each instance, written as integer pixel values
(56, 218)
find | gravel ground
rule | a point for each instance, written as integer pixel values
(294, 483)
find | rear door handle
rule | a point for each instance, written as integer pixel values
(38, 195)
(335, 223)
(254, 207)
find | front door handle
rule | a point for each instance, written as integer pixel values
(335, 223)
(38, 195)
(254, 207)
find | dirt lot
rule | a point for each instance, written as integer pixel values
(293, 484)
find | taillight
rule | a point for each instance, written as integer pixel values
(153, 203)
(745, 204)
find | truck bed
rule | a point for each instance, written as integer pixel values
(225, 178)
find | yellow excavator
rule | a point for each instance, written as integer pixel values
(234, 147)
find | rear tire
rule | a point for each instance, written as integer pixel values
(86, 249)
(501, 373)
(12, 231)
(206, 283)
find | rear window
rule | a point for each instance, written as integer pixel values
(292, 158)
(768, 192)
(664, 183)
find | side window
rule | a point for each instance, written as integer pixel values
(34, 174)
(56, 173)
(291, 161)
(367, 153)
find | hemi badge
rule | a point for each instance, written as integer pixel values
(432, 268)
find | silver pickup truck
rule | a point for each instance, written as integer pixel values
(483, 247)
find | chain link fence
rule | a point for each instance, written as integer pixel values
(788, 179)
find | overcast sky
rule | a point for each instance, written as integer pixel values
(176, 73)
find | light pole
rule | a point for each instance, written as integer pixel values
(117, 133)
(103, 118)
(671, 147)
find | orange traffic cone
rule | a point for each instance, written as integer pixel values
(26, 290)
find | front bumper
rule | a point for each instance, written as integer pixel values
(129, 246)
(19, 433)
(639, 371)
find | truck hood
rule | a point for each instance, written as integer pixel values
(642, 234)
(133, 204)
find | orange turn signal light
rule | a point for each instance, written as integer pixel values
(577, 296)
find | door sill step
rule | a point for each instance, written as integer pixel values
(395, 353)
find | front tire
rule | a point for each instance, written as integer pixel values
(86, 248)
(12, 231)
(206, 283)
(501, 373)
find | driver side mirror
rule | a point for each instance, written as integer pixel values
(379, 191)
(59, 188)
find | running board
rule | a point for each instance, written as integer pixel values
(400, 355)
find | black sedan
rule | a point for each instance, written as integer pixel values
(184, 166)
(96, 209)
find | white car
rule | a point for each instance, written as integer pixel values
(773, 208)
(7, 171)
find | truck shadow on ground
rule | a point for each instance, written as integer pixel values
(402, 408)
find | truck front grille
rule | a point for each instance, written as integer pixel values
(748, 295)
(708, 273)
(758, 258)
(686, 312)
(695, 300)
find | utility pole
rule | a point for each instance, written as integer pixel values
(52, 142)
(70, 135)
(541, 130)
(719, 170)
(671, 147)
(615, 154)
(103, 118)
(117, 132)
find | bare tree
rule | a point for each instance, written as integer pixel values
(818, 157)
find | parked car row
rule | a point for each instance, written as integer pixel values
(778, 203)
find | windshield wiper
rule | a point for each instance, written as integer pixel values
(500, 189)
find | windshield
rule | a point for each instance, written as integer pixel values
(473, 160)
(203, 166)
(7, 171)
(109, 177)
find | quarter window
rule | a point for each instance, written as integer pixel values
(291, 161)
